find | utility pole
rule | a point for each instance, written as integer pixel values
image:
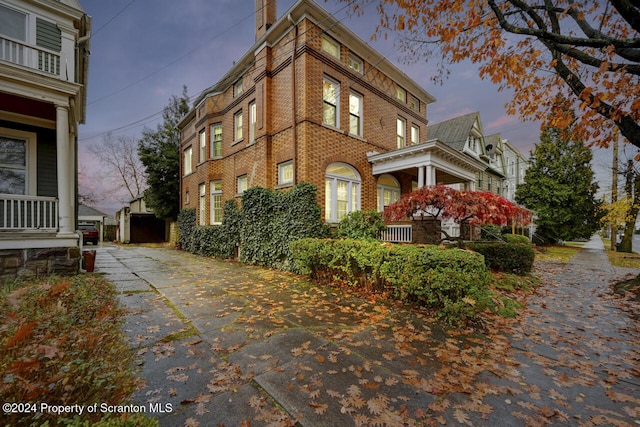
(614, 188)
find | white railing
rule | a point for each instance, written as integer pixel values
(29, 56)
(28, 213)
(397, 234)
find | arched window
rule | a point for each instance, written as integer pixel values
(342, 191)
(388, 191)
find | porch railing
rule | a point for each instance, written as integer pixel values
(397, 234)
(29, 56)
(28, 213)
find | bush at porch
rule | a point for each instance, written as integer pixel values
(451, 281)
(516, 255)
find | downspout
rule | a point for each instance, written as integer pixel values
(293, 99)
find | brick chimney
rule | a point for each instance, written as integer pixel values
(265, 16)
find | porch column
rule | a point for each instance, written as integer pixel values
(420, 176)
(431, 175)
(65, 168)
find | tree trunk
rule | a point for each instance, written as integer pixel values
(627, 240)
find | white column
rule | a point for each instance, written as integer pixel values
(420, 176)
(63, 148)
(431, 175)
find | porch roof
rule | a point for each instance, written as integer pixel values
(431, 153)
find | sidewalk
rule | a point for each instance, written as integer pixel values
(220, 343)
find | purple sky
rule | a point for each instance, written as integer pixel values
(144, 51)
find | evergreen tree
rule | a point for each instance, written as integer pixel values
(159, 152)
(559, 187)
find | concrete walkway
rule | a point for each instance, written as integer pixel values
(220, 343)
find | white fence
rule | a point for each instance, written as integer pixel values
(397, 234)
(28, 213)
(29, 56)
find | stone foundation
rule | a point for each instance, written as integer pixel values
(39, 262)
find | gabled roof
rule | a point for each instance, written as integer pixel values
(455, 132)
(84, 210)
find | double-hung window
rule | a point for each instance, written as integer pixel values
(237, 126)
(400, 132)
(415, 134)
(330, 102)
(216, 202)
(202, 137)
(188, 161)
(355, 114)
(242, 184)
(253, 117)
(216, 140)
(202, 206)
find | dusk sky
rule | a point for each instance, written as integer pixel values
(144, 51)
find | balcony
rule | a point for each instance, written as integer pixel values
(32, 57)
(27, 214)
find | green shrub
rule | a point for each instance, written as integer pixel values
(186, 227)
(362, 225)
(516, 238)
(508, 257)
(454, 282)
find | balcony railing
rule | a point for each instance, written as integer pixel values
(397, 234)
(28, 213)
(29, 56)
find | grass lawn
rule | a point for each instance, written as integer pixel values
(556, 253)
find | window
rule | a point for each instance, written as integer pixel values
(414, 104)
(401, 94)
(489, 182)
(415, 134)
(237, 123)
(13, 165)
(355, 114)
(242, 184)
(331, 47)
(188, 161)
(285, 173)
(473, 144)
(342, 191)
(400, 132)
(203, 204)
(355, 63)
(13, 24)
(186, 197)
(252, 122)
(216, 140)
(202, 136)
(216, 202)
(330, 98)
(479, 181)
(388, 191)
(237, 88)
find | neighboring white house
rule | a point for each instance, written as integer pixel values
(89, 214)
(44, 57)
(138, 224)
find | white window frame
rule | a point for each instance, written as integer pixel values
(355, 112)
(202, 204)
(355, 63)
(31, 160)
(202, 137)
(285, 173)
(415, 134)
(237, 88)
(216, 207)
(392, 190)
(326, 103)
(401, 94)
(353, 186)
(401, 132)
(187, 167)
(237, 126)
(243, 183)
(216, 144)
(253, 118)
(331, 47)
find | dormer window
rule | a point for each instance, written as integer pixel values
(473, 144)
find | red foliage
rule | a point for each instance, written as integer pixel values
(461, 206)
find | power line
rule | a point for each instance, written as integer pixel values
(93, 33)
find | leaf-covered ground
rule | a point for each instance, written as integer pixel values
(232, 345)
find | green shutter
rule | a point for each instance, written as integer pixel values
(48, 35)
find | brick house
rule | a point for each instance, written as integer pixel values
(44, 54)
(312, 102)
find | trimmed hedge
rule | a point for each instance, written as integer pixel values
(510, 257)
(362, 225)
(452, 281)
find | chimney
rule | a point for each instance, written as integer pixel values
(265, 16)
